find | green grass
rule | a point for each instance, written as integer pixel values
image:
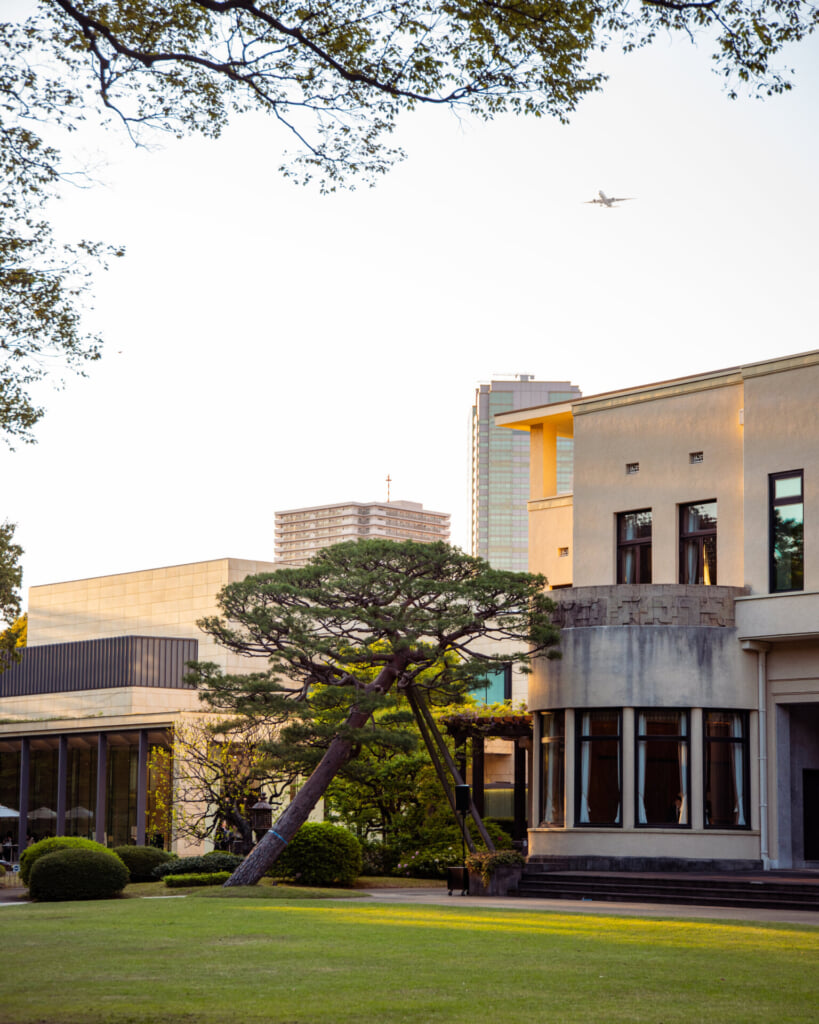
(222, 961)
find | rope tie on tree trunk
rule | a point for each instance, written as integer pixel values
(276, 834)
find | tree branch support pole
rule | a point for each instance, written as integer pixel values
(432, 735)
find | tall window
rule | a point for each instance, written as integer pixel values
(698, 543)
(662, 769)
(634, 546)
(726, 769)
(495, 687)
(787, 529)
(598, 770)
(553, 748)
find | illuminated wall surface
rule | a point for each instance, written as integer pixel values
(500, 468)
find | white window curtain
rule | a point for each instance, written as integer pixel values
(585, 769)
(549, 752)
(642, 817)
(739, 775)
(682, 749)
(628, 565)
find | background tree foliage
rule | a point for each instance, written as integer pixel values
(334, 74)
(13, 637)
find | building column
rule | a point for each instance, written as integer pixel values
(62, 784)
(101, 808)
(477, 773)
(519, 791)
(25, 772)
(142, 787)
(761, 649)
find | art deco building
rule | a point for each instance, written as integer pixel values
(681, 725)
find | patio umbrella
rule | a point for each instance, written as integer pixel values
(80, 813)
(42, 814)
(8, 812)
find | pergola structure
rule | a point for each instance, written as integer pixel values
(478, 728)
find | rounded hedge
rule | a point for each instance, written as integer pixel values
(217, 860)
(77, 875)
(320, 854)
(32, 853)
(141, 861)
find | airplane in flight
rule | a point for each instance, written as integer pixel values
(609, 201)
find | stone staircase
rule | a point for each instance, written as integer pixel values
(778, 890)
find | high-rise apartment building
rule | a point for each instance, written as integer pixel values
(500, 468)
(301, 532)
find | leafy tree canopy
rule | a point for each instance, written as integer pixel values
(334, 74)
(361, 621)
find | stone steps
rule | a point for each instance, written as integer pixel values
(728, 891)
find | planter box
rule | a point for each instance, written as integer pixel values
(503, 879)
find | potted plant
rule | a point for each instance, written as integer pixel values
(494, 874)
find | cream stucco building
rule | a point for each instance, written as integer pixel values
(101, 682)
(682, 723)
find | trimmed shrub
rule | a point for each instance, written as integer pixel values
(32, 854)
(210, 862)
(320, 854)
(203, 878)
(77, 875)
(141, 861)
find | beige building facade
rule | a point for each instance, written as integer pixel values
(682, 722)
(101, 683)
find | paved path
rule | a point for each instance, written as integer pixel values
(439, 897)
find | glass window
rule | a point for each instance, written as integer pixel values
(787, 531)
(598, 771)
(662, 769)
(698, 543)
(726, 769)
(634, 546)
(495, 687)
(553, 753)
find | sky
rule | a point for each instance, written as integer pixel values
(267, 347)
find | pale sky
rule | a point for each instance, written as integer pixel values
(268, 347)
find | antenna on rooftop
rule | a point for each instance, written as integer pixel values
(388, 488)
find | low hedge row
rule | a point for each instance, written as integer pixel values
(201, 878)
(210, 862)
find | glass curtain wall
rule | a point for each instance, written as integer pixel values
(81, 795)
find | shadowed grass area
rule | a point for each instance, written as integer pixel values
(219, 961)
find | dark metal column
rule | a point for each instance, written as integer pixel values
(62, 785)
(101, 808)
(142, 787)
(519, 828)
(477, 773)
(25, 771)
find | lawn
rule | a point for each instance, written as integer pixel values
(319, 961)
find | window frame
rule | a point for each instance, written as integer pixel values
(637, 544)
(663, 738)
(774, 504)
(701, 536)
(745, 742)
(579, 738)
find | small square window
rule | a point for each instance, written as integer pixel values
(695, 458)
(562, 552)
(632, 467)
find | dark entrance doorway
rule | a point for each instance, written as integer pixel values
(810, 804)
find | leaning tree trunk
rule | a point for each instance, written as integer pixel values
(264, 854)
